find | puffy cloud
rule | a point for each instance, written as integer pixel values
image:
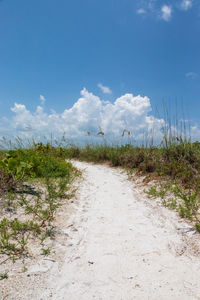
(88, 114)
(42, 99)
(166, 12)
(186, 4)
(104, 89)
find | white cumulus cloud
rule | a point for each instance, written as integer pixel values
(166, 12)
(104, 89)
(88, 114)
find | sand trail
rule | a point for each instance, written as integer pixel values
(125, 247)
(113, 243)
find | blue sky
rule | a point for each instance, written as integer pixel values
(51, 50)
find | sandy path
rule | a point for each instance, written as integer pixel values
(113, 243)
(124, 247)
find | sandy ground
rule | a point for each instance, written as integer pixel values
(114, 244)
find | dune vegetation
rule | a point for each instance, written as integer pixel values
(34, 181)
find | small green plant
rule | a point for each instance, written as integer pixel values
(14, 236)
(171, 203)
(4, 275)
(46, 251)
(24, 269)
(190, 203)
(154, 192)
(197, 227)
(48, 233)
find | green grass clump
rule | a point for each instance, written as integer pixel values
(46, 251)
(4, 275)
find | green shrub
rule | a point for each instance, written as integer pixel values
(33, 163)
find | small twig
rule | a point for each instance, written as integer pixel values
(4, 260)
(49, 259)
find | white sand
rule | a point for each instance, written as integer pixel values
(119, 246)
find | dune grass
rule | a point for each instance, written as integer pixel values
(179, 161)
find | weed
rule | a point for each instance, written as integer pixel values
(48, 233)
(46, 251)
(171, 203)
(25, 269)
(197, 227)
(190, 203)
(4, 275)
(14, 236)
(160, 191)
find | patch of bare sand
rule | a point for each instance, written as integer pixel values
(113, 244)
